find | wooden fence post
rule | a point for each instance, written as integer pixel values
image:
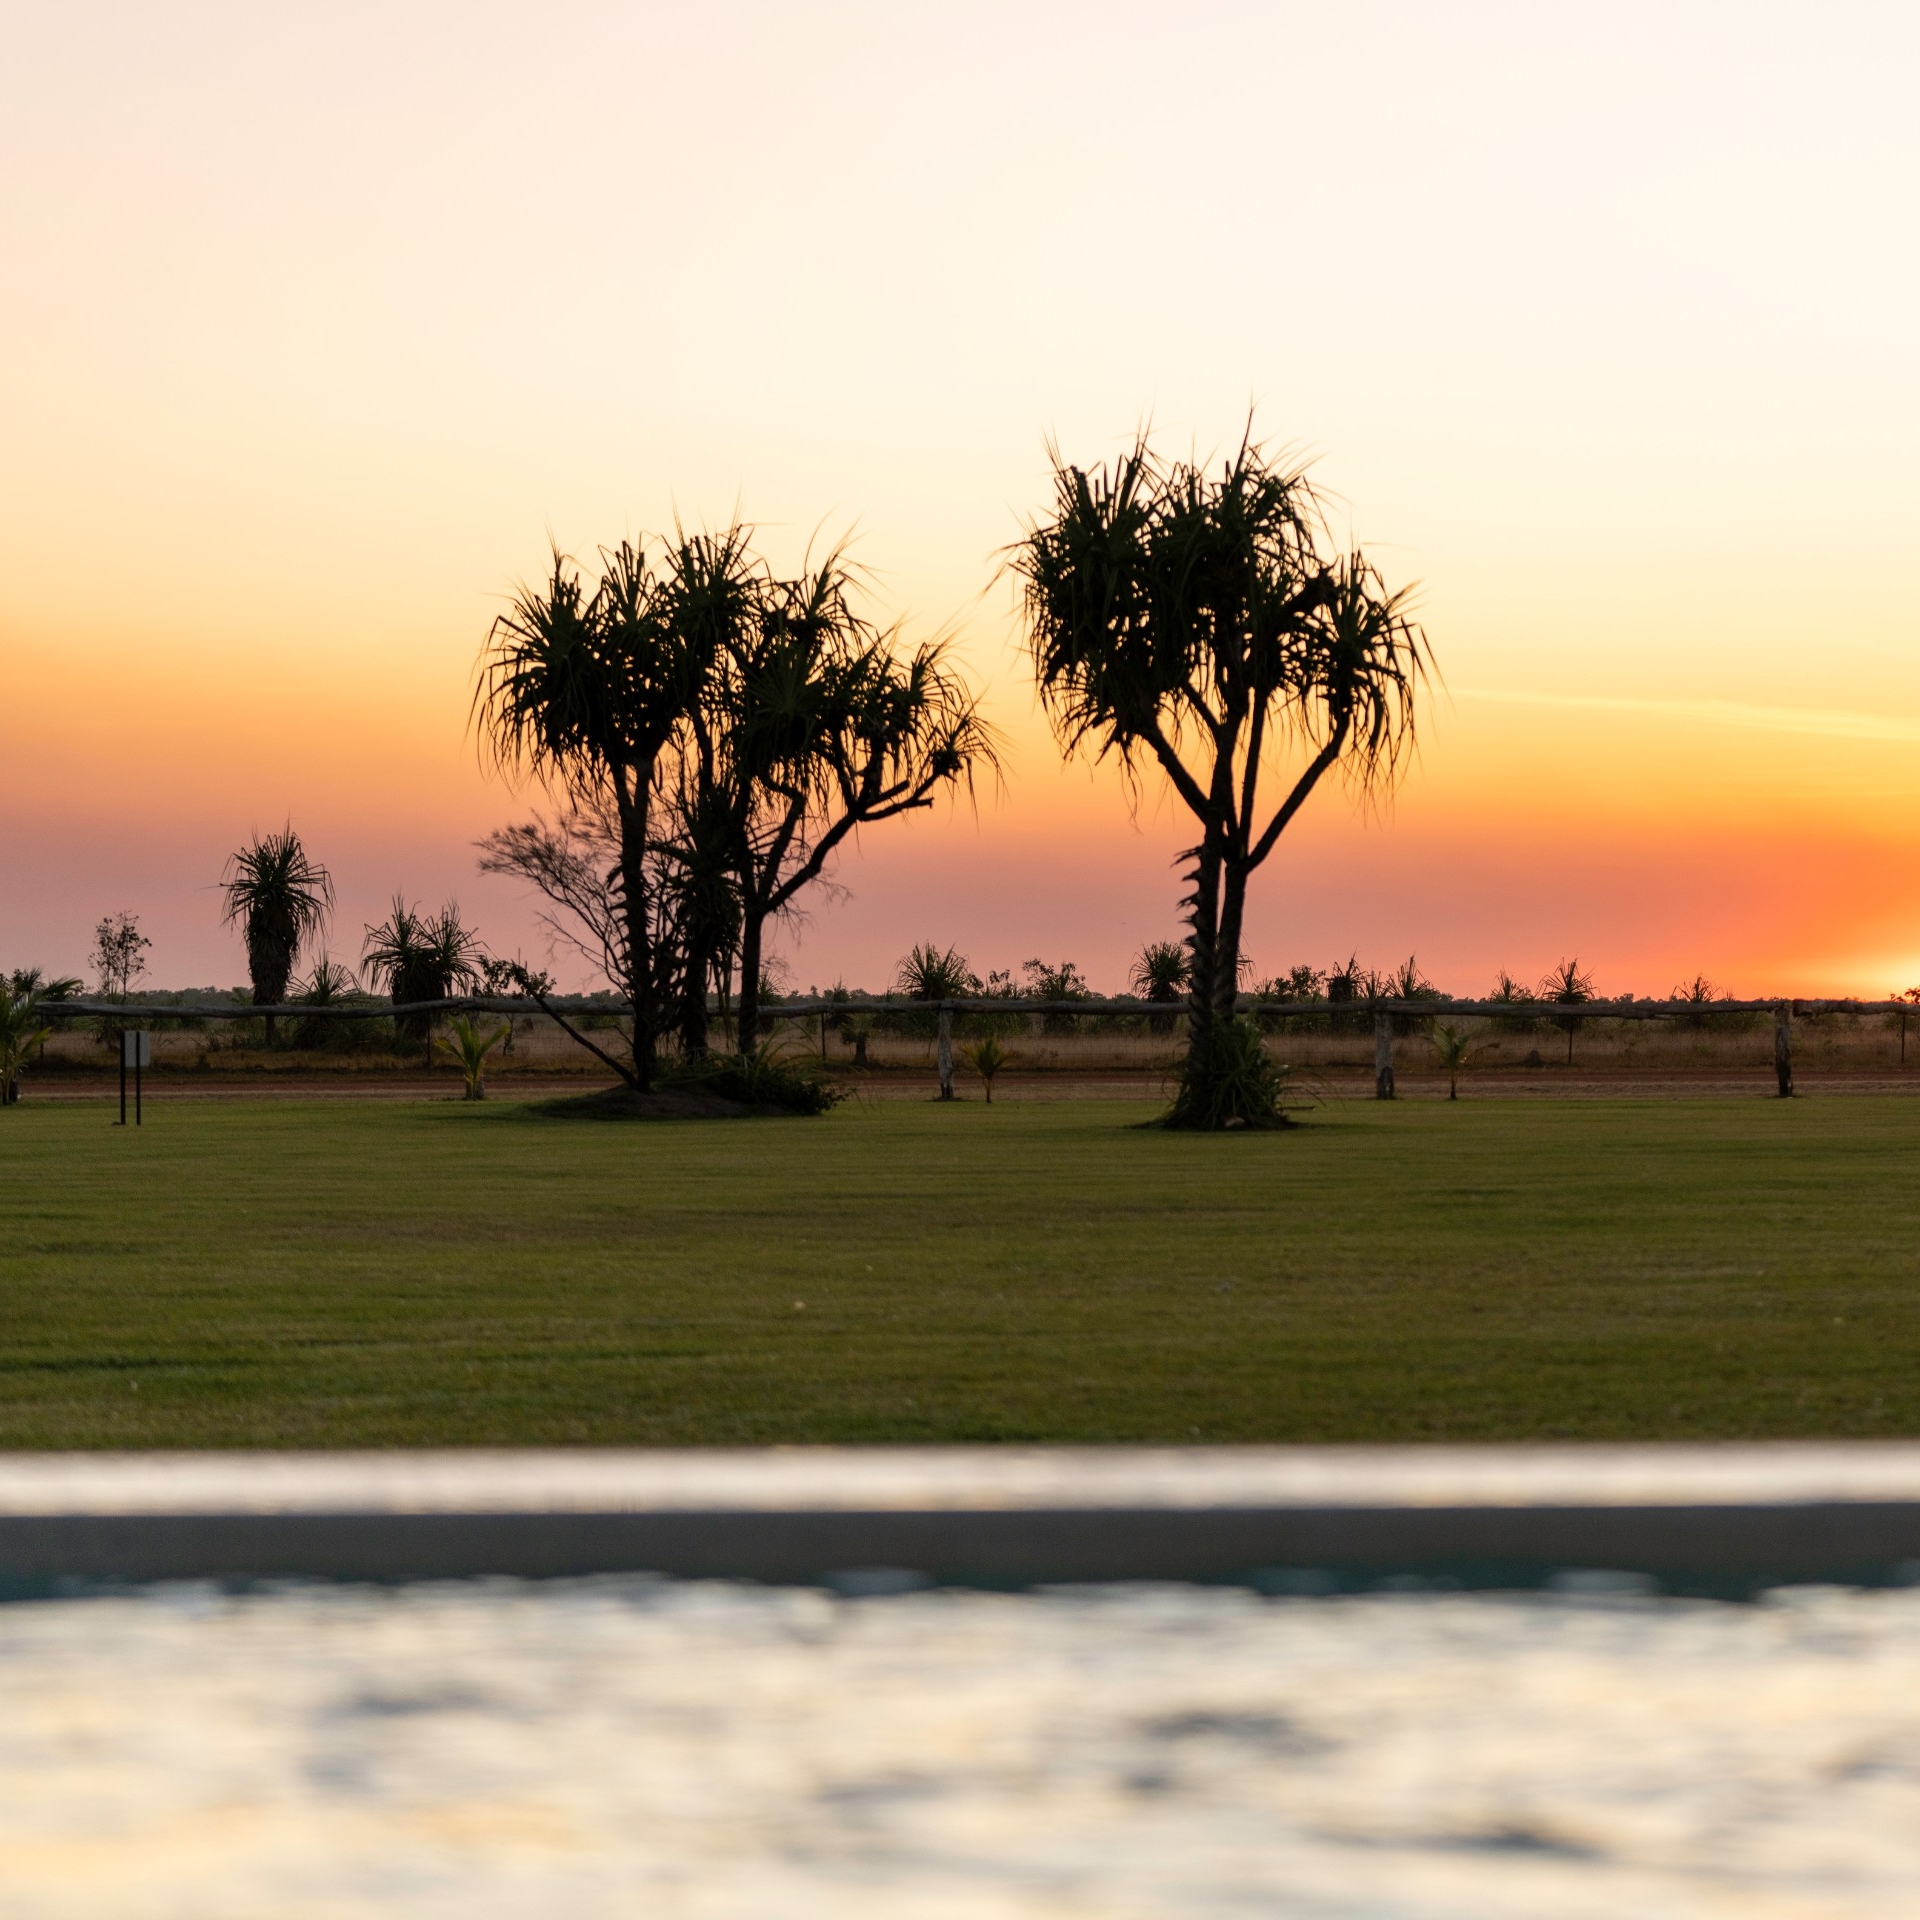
(1783, 1048)
(946, 1053)
(1383, 1056)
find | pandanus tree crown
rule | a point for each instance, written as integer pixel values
(280, 898)
(1170, 607)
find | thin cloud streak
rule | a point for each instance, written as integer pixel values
(1824, 722)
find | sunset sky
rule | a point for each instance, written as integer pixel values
(1602, 325)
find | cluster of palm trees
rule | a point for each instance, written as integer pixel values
(281, 899)
(710, 733)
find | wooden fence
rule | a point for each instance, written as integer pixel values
(1382, 1012)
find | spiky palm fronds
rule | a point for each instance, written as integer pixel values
(280, 898)
(1234, 1083)
(931, 972)
(1159, 971)
(1698, 993)
(471, 1047)
(20, 1032)
(421, 956)
(817, 723)
(1567, 983)
(986, 1057)
(587, 690)
(1198, 623)
(579, 686)
(328, 983)
(1455, 1047)
(1568, 986)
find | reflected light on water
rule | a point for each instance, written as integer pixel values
(622, 1746)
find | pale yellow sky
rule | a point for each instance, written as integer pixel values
(320, 321)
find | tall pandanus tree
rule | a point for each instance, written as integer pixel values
(815, 724)
(1198, 623)
(584, 689)
(279, 897)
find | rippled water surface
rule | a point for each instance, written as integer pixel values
(621, 1747)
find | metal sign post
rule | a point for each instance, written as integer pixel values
(136, 1051)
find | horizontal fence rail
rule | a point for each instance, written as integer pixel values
(374, 1008)
(1383, 1013)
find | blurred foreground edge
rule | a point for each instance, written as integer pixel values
(1711, 1519)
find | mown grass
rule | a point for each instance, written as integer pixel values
(288, 1274)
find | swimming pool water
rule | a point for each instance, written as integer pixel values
(621, 1746)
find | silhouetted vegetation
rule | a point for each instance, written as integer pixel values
(279, 898)
(421, 956)
(470, 1048)
(1054, 980)
(1567, 986)
(21, 1030)
(714, 734)
(1201, 624)
(1159, 973)
(1454, 1047)
(986, 1057)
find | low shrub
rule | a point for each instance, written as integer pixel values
(762, 1078)
(1232, 1083)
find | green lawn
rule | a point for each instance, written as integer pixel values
(305, 1275)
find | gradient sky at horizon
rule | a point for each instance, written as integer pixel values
(321, 322)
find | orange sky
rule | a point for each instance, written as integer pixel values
(319, 324)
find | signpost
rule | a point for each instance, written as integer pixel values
(136, 1051)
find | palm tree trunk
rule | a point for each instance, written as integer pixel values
(1226, 951)
(746, 1031)
(693, 998)
(270, 970)
(1203, 920)
(633, 890)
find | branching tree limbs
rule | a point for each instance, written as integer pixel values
(820, 724)
(574, 862)
(585, 691)
(714, 734)
(1197, 623)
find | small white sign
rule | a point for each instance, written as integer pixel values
(136, 1049)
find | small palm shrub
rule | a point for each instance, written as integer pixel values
(857, 1029)
(1407, 982)
(20, 1033)
(1160, 973)
(1698, 993)
(1456, 1047)
(1229, 1081)
(1160, 970)
(986, 1058)
(1507, 988)
(1345, 984)
(1567, 986)
(928, 972)
(763, 1077)
(470, 1047)
(328, 986)
(420, 956)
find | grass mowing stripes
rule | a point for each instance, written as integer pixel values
(280, 1274)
